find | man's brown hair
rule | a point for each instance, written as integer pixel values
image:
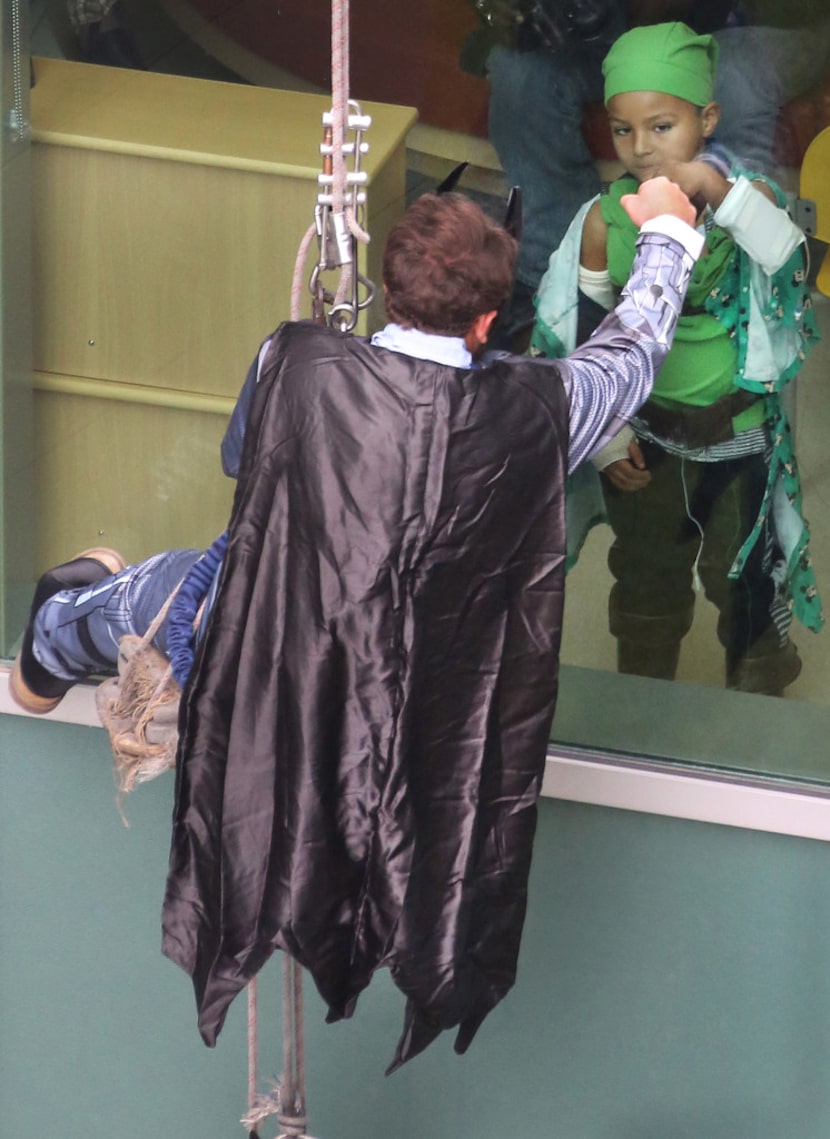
(446, 263)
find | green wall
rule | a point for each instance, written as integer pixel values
(674, 984)
(16, 442)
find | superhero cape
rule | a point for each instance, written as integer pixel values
(364, 734)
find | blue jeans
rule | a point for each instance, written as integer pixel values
(76, 632)
(535, 124)
(750, 92)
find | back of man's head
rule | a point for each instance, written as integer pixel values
(446, 263)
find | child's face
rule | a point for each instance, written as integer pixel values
(651, 129)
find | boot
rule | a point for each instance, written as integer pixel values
(30, 685)
(657, 661)
(767, 673)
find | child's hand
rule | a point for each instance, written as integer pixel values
(658, 196)
(631, 473)
(699, 181)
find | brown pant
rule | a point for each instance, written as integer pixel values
(651, 605)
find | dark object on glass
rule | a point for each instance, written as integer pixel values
(558, 22)
(532, 24)
(513, 215)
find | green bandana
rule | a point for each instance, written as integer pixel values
(668, 58)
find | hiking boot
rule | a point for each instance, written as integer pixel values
(31, 686)
(764, 673)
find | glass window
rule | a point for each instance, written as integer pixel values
(170, 178)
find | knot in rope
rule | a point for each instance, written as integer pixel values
(292, 1126)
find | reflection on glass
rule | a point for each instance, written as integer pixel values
(702, 487)
(163, 486)
(697, 654)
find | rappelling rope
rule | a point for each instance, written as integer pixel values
(139, 707)
(338, 230)
(286, 1098)
(292, 1114)
(339, 109)
(298, 281)
(337, 223)
(260, 1105)
(340, 104)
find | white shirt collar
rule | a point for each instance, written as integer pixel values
(449, 350)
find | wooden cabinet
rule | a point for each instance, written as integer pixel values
(167, 215)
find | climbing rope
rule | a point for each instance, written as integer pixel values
(292, 1117)
(338, 214)
(338, 229)
(140, 707)
(286, 1097)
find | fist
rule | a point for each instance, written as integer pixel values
(658, 196)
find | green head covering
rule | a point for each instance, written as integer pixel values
(669, 58)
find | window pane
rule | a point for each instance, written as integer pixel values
(164, 239)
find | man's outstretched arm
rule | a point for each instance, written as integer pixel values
(610, 376)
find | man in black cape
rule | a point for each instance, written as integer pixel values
(363, 731)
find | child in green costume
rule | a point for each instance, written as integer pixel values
(702, 487)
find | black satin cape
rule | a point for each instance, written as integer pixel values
(364, 735)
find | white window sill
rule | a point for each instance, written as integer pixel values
(604, 781)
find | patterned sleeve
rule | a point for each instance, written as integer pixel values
(610, 376)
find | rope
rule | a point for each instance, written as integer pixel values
(292, 1114)
(253, 1045)
(297, 283)
(139, 708)
(286, 1100)
(339, 98)
(260, 1107)
(340, 199)
(156, 623)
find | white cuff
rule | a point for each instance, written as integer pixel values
(596, 284)
(614, 451)
(763, 230)
(679, 230)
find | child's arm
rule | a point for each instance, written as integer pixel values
(623, 462)
(703, 181)
(748, 210)
(594, 252)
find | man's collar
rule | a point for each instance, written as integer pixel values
(450, 350)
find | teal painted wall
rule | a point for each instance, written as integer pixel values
(674, 984)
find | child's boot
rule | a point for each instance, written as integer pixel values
(656, 661)
(766, 673)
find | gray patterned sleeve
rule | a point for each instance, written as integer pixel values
(611, 375)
